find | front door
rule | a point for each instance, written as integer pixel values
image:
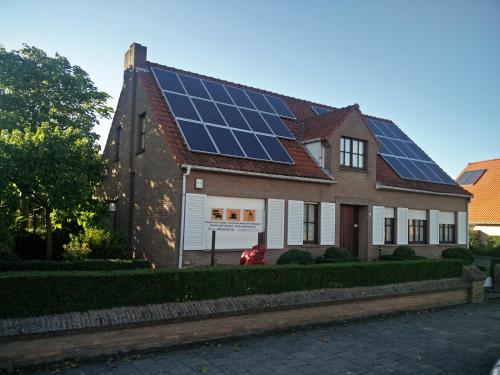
(349, 228)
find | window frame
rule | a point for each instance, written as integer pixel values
(444, 231)
(350, 154)
(414, 235)
(307, 221)
(392, 230)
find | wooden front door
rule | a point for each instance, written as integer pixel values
(349, 228)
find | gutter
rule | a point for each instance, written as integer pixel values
(385, 187)
(259, 174)
(183, 213)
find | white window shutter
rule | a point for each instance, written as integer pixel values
(433, 227)
(378, 226)
(275, 223)
(194, 225)
(327, 223)
(402, 230)
(295, 222)
(462, 228)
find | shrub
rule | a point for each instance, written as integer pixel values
(458, 253)
(95, 243)
(404, 252)
(76, 250)
(494, 261)
(335, 252)
(38, 293)
(83, 265)
(295, 256)
(8, 255)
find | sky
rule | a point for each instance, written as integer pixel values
(431, 66)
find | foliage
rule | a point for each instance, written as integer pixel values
(48, 151)
(76, 250)
(323, 259)
(37, 293)
(458, 253)
(295, 256)
(84, 265)
(96, 243)
(336, 252)
(405, 252)
(396, 258)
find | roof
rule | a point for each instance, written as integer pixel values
(307, 126)
(485, 204)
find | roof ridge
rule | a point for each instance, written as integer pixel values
(335, 110)
(483, 161)
(379, 118)
(240, 85)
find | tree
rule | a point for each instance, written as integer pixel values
(48, 151)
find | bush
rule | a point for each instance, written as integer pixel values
(82, 265)
(404, 252)
(395, 258)
(458, 253)
(494, 261)
(94, 243)
(8, 255)
(335, 252)
(295, 256)
(38, 293)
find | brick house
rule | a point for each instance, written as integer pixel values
(185, 149)
(482, 180)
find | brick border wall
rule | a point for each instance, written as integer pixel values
(44, 339)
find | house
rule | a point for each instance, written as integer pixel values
(190, 156)
(482, 180)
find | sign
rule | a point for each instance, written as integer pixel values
(236, 220)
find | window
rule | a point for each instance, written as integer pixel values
(417, 231)
(352, 153)
(118, 132)
(310, 222)
(389, 230)
(446, 233)
(142, 132)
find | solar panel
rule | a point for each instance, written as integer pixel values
(320, 110)
(470, 177)
(226, 120)
(407, 159)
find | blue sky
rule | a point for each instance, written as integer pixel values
(433, 67)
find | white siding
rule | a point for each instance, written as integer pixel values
(275, 223)
(295, 222)
(378, 225)
(434, 227)
(327, 222)
(196, 213)
(462, 228)
(402, 226)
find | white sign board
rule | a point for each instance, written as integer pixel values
(235, 220)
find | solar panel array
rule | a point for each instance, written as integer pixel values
(470, 177)
(320, 110)
(221, 119)
(404, 156)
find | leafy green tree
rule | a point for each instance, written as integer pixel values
(48, 149)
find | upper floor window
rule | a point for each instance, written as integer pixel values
(142, 133)
(118, 132)
(352, 153)
(310, 222)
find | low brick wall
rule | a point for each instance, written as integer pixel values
(50, 338)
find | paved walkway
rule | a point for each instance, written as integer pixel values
(459, 340)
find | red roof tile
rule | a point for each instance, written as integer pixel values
(324, 125)
(485, 204)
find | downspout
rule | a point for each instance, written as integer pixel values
(183, 213)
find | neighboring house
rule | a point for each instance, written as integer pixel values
(482, 180)
(186, 151)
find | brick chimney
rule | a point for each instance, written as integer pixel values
(135, 57)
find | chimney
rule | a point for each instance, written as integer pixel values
(135, 57)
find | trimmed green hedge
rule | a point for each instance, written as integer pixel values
(38, 293)
(458, 253)
(80, 265)
(396, 258)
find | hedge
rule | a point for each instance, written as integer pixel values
(38, 293)
(80, 265)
